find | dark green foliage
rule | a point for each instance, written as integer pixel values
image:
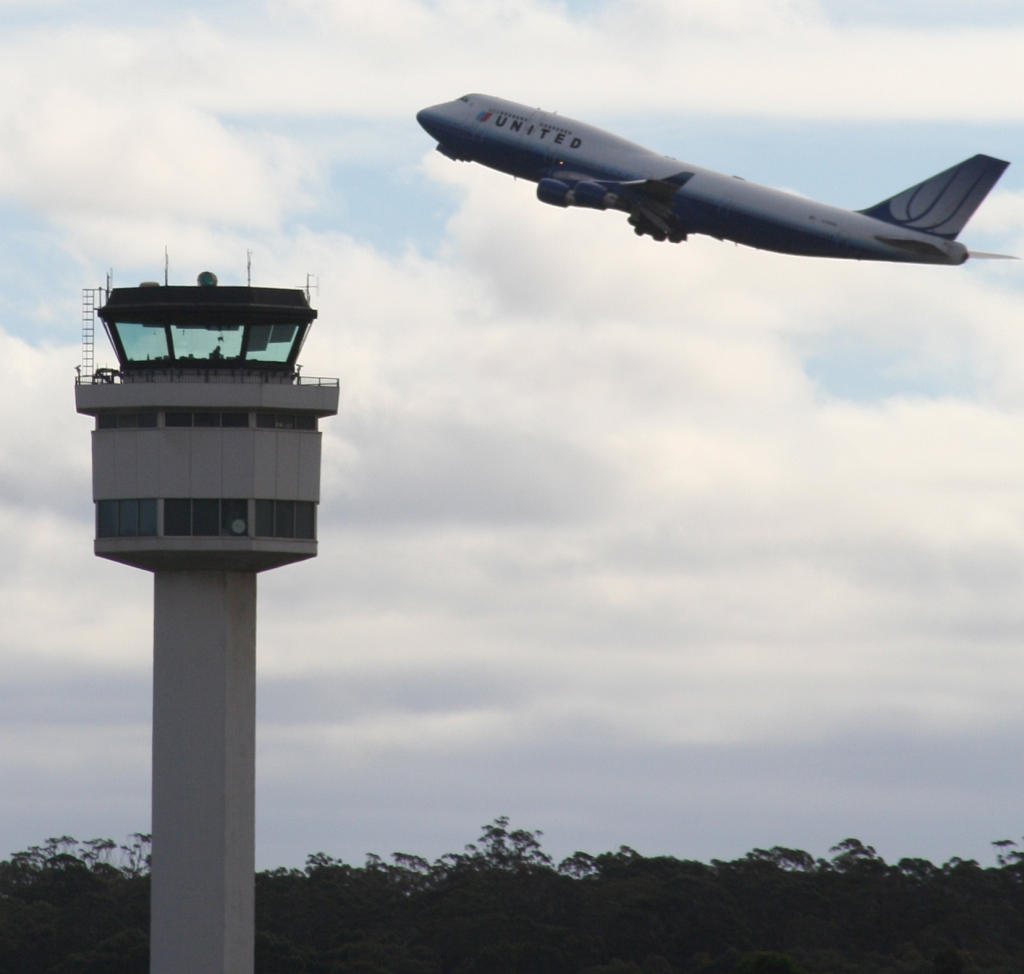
(502, 907)
(765, 962)
(75, 907)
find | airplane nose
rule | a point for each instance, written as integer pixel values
(429, 119)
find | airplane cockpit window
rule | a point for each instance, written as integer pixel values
(465, 98)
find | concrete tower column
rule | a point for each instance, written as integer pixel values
(204, 720)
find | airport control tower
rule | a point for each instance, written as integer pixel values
(206, 471)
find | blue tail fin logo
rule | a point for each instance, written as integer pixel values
(943, 204)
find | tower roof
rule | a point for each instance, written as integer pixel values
(156, 303)
(207, 327)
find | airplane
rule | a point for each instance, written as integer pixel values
(575, 164)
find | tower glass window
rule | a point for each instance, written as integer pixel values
(205, 516)
(130, 517)
(270, 343)
(285, 519)
(206, 342)
(234, 517)
(177, 516)
(207, 327)
(106, 519)
(185, 343)
(304, 527)
(143, 342)
(147, 517)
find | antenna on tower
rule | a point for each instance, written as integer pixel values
(167, 264)
(248, 268)
(312, 284)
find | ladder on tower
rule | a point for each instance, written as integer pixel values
(89, 295)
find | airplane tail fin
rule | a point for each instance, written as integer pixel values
(943, 204)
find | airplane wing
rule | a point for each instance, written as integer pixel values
(647, 201)
(652, 212)
(661, 190)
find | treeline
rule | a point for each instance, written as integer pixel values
(502, 906)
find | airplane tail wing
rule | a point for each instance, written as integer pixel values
(943, 204)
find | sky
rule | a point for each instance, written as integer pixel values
(690, 548)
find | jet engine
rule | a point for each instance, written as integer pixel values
(592, 195)
(553, 191)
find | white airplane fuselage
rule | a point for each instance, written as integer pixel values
(575, 164)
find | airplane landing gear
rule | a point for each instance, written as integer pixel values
(644, 226)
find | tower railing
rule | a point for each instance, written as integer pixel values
(242, 376)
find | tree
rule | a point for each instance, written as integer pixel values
(503, 849)
(949, 962)
(766, 962)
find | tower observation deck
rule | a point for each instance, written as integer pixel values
(206, 471)
(206, 451)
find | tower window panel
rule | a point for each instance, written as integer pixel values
(234, 517)
(177, 516)
(205, 516)
(127, 518)
(270, 343)
(238, 420)
(106, 519)
(264, 511)
(143, 343)
(284, 519)
(177, 419)
(304, 520)
(206, 419)
(259, 336)
(126, 421)
(285, 421)
(147, 517)
(206, 343)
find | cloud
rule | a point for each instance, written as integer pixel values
(613, 499)
(614, 535)
(649, 54)
(180, 117)
(30, 476)
(72, 150)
